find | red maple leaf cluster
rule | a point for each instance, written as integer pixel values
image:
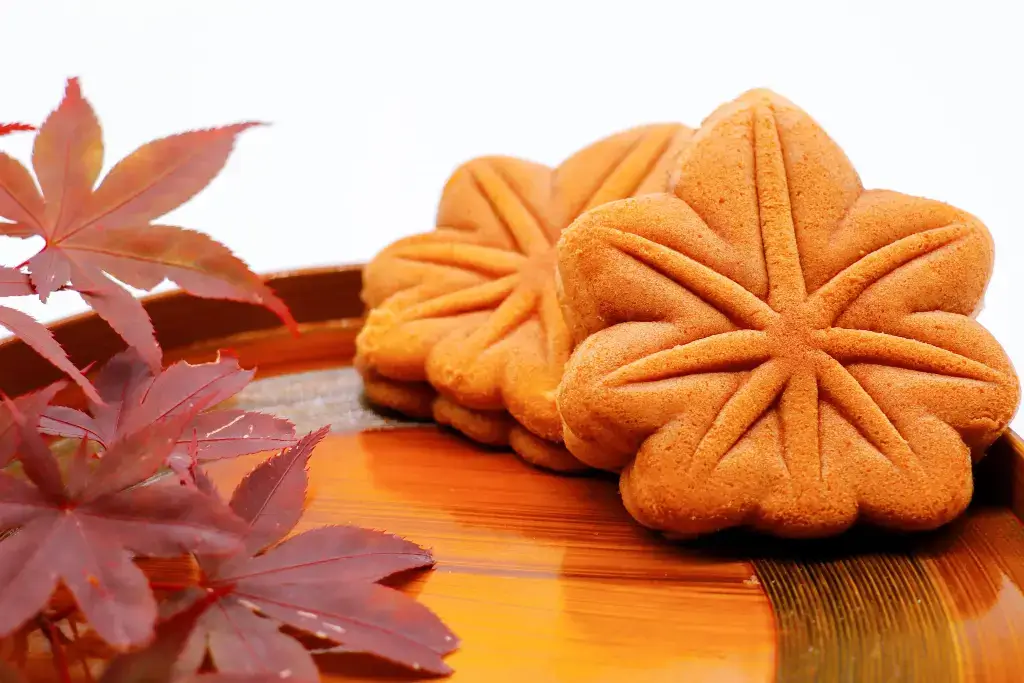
(322, 581)
(87, 496)
(135, 485)
(131, 396)
(94, 232)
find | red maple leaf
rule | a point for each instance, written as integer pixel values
(78, 527)
(133, 397)
(30, 406)
(36, 336)
(156, 662)
(92, 234)
(321, 581)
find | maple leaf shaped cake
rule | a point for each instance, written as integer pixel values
(470, 310)
(772, 345)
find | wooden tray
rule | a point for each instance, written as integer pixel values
(546, 578)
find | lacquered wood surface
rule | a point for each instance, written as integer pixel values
(522, 552)
(545, 578)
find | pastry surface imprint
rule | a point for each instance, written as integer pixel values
(771, 345)
(464, 323)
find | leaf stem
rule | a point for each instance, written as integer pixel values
(62, 614)
(81, 655)
(60, 659)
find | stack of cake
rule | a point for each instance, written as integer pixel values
(465, 324)
(727, 318)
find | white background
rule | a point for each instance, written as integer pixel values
(373, 104)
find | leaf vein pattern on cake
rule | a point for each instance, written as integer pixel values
(471, 308)
(767, 315)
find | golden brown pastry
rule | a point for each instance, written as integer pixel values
(773, 345)
(470, 309)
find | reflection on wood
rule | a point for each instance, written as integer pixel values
(979, 566)
(545, 578)
(317, 398)
(1015, 446)
(999, 477)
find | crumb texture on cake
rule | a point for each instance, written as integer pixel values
(771, 345)
(470, 309)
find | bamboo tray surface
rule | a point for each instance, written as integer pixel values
(546, 578)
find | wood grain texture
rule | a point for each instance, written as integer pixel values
(944, 606)
(546, 578)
